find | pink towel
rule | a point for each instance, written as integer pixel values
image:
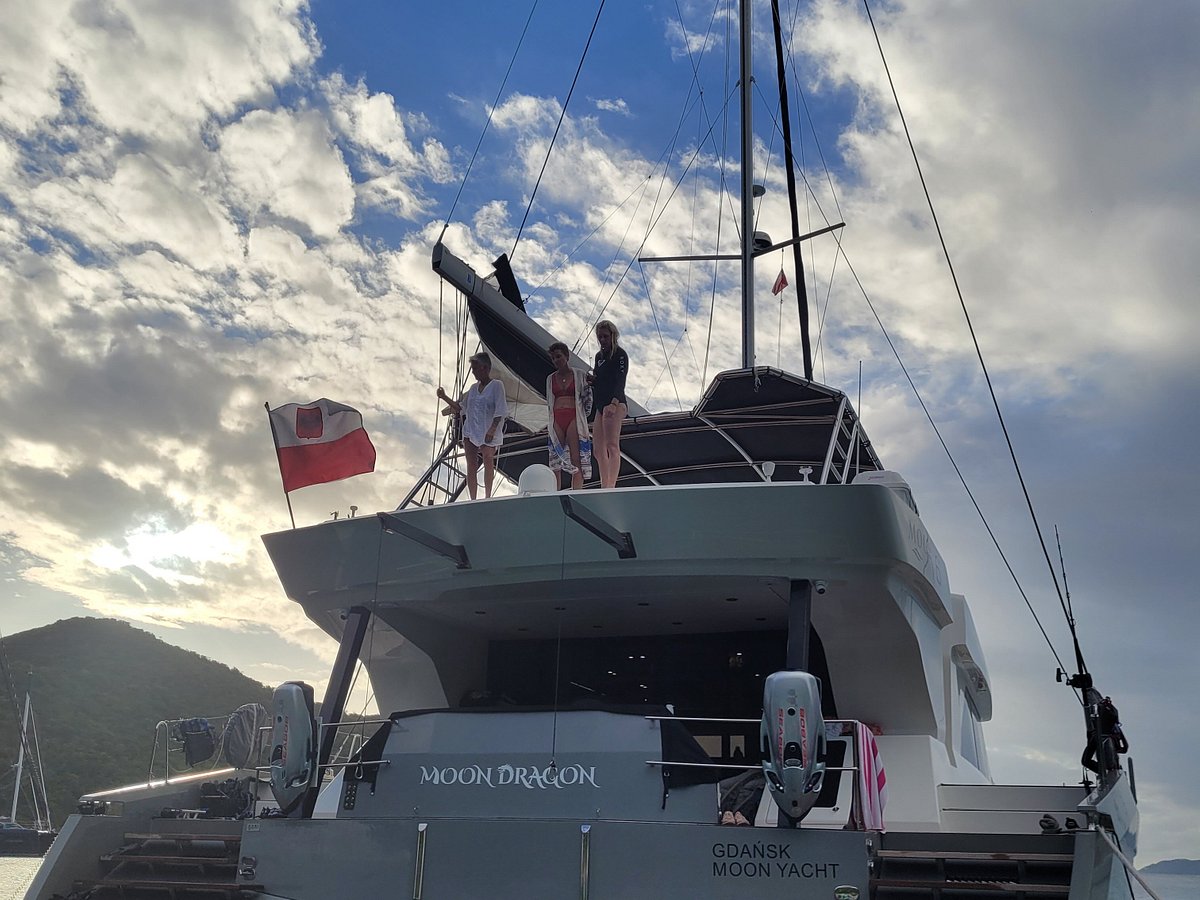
(872, 783)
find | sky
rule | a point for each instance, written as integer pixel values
(209, 207)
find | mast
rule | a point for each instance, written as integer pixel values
(747, 192)
(790, 169)
(20, 759)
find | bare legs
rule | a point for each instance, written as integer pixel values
(489, 468)
(472, 454)
(571, 439)
(606, 442)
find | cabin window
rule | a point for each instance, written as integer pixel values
(699, 675)
(971, 742)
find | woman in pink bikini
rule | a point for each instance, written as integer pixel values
(567, 395)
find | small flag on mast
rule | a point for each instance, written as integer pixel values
(319, 442)
(780, 283)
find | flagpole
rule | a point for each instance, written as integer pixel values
(279, 462)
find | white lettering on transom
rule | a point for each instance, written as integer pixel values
(527, 777)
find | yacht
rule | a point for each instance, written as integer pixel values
(742, 672)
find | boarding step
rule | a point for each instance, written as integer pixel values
(1007, 808)
(179, 865)
(941, 866)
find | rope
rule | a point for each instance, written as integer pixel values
(562, 115)
(1130, 869)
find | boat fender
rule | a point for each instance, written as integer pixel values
(793, 742)
(293, 743)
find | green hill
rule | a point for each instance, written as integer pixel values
(100, 686)
(1174, 867)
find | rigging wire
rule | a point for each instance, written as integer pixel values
(662, 343)
(664, 369)
(650, 230)
(668, 152)
(712, 304)
(971, 328)
(664, 159)
(691, 266)
(437, 409)
(640, 188)
(950, 456)
(487, 124)
(591, 234)
(562, 115)
(594, 316)
(912, 384)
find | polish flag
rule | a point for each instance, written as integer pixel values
(780, 283)
(320, 441)
(872, 783)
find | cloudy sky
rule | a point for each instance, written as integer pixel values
(205, 207)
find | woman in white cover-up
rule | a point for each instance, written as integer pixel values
(567, 397)
(483, 409)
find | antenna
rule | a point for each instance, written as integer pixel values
(1066, 589)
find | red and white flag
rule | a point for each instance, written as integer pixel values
(780, 283)
(320, 441)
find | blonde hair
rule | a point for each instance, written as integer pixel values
(608, 326)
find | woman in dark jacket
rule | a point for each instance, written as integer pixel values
(608, 403)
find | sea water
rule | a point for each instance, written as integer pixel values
(1170, 887)
(17, 871)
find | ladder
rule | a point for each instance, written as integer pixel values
(445, 478)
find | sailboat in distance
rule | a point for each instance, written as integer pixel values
(741, 672)
(17, 839)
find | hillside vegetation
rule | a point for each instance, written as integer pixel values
(99, 688)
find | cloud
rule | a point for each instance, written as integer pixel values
(284, 166)
(234, 53)
(617, 105)
(388, 156)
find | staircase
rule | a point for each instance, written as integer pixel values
(443, 481)
(178, 865)
(972, 867)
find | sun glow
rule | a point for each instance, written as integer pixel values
(169, 555)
